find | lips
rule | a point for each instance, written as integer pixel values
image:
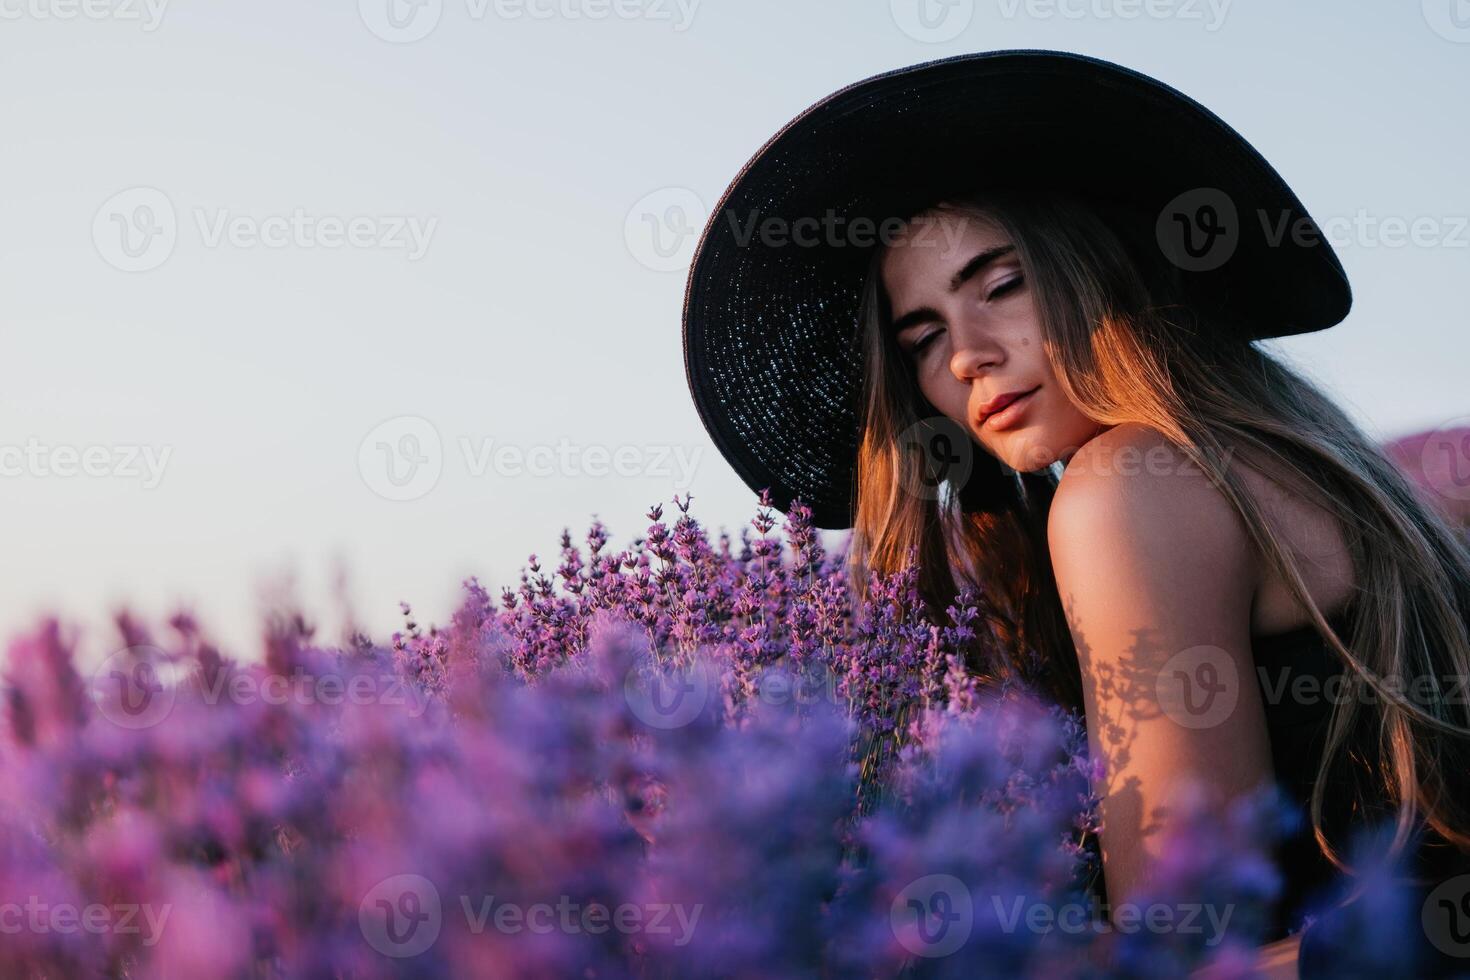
(999, 402)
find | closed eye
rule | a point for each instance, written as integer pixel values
(1008, 286)
(928, 337)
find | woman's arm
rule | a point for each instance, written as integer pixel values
(1277, 961)
(1157, 579)
(1274, 961)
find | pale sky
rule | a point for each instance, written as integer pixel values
(237, 239)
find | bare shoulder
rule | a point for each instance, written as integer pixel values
(1132, 478)
(1135, 522)
(1132, 490)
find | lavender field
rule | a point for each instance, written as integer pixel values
(692, 757)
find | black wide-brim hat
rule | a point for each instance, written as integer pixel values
(771, 344)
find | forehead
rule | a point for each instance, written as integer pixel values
(934, 243)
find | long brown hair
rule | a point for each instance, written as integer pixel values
(1126, 347)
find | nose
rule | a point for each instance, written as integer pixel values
(974, 353)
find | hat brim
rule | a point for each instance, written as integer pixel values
(770, 310)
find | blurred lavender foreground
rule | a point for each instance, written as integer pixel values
(684, 759)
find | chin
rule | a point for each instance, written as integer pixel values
(1024, 451)
(1032, 447)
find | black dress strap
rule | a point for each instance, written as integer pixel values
(1300, 678)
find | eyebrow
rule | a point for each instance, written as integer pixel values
(977, 262)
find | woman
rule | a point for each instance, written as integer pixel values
(1000, 308)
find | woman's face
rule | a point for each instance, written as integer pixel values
(964, 314)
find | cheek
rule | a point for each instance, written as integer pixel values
(1031, 359)
(1026, 335)
(945, 392)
